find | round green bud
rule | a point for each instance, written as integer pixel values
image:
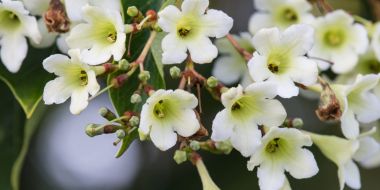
(123, 65)
(180, 156)
(132, 11)
(224, 146)
(134, 121)
(212, 82)
(120, 134)
(175, 72)
(92, 130)
(297, 123)
(195, 145)
(103, 111)
(144, 76)
(136, 98)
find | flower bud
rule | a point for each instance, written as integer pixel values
(142, 136)
(212, 82)
(136, 98)
(123, 65)
(224, 146)
(93, 130)
(132, 11)
(129, 28)
(107, 114)
(195, 145)
(144, 76)
(175, 72)
(180, 156)
(120, 134)
(297, 123)
(134, 121)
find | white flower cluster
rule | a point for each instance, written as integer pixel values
(286, 48)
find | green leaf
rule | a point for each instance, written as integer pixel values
(128, 139)
(27, 85)
(15, 135)
(30, 128)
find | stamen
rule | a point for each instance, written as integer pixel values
(111, 37)
(236, 106)
(273, 145)
(273, 67)
(83, 78)
(159, 109)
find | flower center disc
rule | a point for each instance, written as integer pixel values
(290, 15)
(273, 145)
(334, 38)
(159, 109)
(9, 20)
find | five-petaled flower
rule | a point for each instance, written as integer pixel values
(102, 37)
(280, 58)
(167, 112)
(75, 79)
(338, 40)
(282, 150)
(190, 30)
(15, 25)
(244, 111)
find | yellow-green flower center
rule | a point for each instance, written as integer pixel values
(9, 20)
(112, 37)
(286, 16)
(334, 38)
(277, 62)
(159, 109)
(83, 78)
(273, 145)
(186, 27)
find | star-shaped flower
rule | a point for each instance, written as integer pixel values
(190, 30)
(244, 111)
(280, 58)
(75, 79)
(167, 112)
(15, 25)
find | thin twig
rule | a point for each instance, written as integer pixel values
(247, 56)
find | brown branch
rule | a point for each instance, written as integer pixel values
(247, 56)
(375, 7)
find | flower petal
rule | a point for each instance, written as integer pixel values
(304, 71)
(270, 176)
(216, 23)
(187, 123)
(352, 175)
(344, 60)
(272, 113)
(299, 38)
(174, 50)
(258, 68)
(92, 86)
(266, 39)
(302, 164)
(359, 38)
(367, 149)
(57, 64)
(13, 51)
(197, 7)
(202, 50)
(79, 100)
(262, 90)
(145, 121)
(168, 18)
(57, 91)
(48, 38)
(246, 138)
(228, 70)
(221, 127)
(349, 125)
(259, 21)
(30, 28)
(163, 136)
(285, 87)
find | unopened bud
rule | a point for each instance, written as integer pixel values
(297, 123)
(120, 134)
(195, 145)
(175, 72)
(129, 28)
(134, 121)
(136, 98)
(224, 146)
(180, 156)
(212, 82)
(152, 14)
(93, 130)
(329, 107)
(123, 65)
(144, 76)
(142, 135)
(132, 11)
(107, 114)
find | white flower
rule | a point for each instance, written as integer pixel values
(343, 152)
(279, 13)
(101, 37)
(279, 58)
(244, 111)
(339, 40)
(190, 30)
(75, 79)
(15, 25)
(282, 150)
(231, 67)
(167, 112)
(74, 7)
(358, 104)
